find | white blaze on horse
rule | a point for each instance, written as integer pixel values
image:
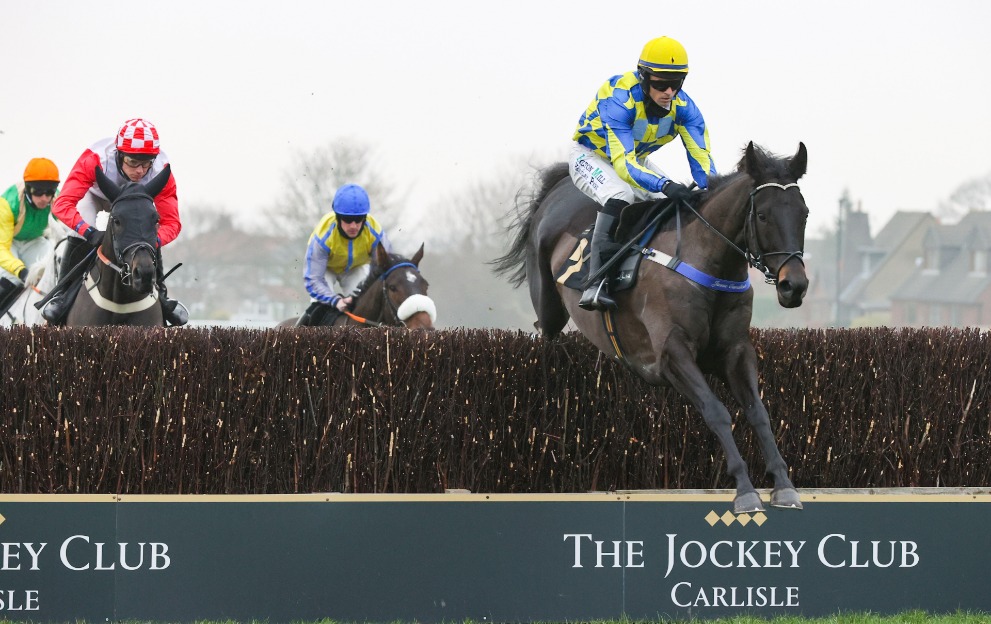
(689, 312)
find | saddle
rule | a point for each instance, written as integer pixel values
(637, 225)
(318, 314)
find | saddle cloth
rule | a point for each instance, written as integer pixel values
(573, 272)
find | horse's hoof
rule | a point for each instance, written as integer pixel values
(786, 498)
(747, 503)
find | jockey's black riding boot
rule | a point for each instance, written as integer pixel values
(596, 295)
(9, 292)
(304, 319)
(174, 312)
(318, 314)
(313, 316)
(74, 251)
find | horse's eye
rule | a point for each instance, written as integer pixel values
(762, 216)
(392, 288)
(117, 221)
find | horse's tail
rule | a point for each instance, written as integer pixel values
(513, 264)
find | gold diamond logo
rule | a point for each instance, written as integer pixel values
(2, 519)
(712, 518)
(743, 519)
(728, 518)
(760, 518)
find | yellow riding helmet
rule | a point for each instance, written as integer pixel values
(664, 54)
(41, 170)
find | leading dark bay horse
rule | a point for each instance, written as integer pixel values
(673, 330)
(394, 293)
(120, 288)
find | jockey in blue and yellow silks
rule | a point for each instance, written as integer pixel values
(339, 252)
(632, 116)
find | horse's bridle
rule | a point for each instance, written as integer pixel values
(756, 260)
(385, 289)
(123, 270)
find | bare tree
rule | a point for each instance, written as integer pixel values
(464, 232)
(200, 218)
(473, 217)
(971, 196)
(314, 177)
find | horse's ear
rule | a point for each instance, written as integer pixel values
(799, 161)
(111, 190)
(417, 256)
(158, 182)
(381, 256)
(751, 164)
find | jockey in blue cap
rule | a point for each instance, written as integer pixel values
(339, 252)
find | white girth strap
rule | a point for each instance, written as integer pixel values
(118, 308)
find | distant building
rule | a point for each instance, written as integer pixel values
(950, 283)
(882, 266)
(232, 275)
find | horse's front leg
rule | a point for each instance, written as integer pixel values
(686, 377)
(740, 375)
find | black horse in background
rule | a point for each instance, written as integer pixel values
(672, 330)
(120, 287)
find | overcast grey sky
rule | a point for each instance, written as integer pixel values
(891, 97)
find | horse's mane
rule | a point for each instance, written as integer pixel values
(772, 166)
(719, 181)
(512, 264)
(131, 191)
(378, 270)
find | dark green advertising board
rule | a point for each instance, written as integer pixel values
(487, 557)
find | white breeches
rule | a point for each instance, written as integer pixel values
(596, 178)
(88, 207)
(33, 253)
(346, 283)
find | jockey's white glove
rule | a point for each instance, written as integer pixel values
(343, 303)
(35, 272)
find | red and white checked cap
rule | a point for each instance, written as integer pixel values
(138, 136)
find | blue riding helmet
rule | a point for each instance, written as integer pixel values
(351, 200)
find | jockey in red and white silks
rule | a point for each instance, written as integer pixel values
(80, 198)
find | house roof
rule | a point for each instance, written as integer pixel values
(896, 263)
(973, 230)
(898, 228)
(953, 282)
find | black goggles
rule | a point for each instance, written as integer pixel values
(39, 191)
(664, 85)
(351, 218)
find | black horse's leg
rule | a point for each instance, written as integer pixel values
(740, 376)
(684, 375)
(552, 316)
